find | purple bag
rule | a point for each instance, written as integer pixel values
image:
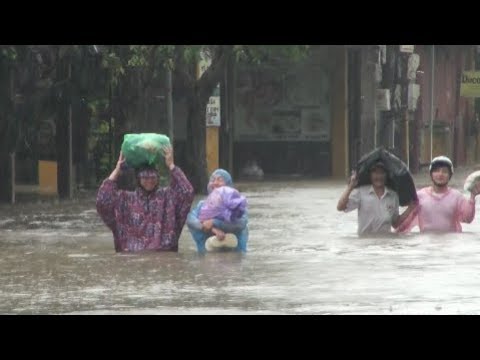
(224, 203)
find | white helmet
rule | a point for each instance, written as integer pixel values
(441, 161)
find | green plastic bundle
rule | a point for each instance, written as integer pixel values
(144, 149)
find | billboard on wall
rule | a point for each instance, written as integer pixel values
(283, 105)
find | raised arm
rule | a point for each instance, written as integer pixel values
(466, 209)
(343, 201)
(108, 198)
(181, 190)
(108, 194)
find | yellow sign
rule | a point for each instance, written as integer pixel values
(470, 86)
(47, 176)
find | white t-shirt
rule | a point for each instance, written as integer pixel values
(375, 215)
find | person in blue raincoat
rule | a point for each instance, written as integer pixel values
(202, 230)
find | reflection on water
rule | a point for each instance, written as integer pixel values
(304, 258)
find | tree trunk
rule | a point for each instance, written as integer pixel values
(8, 136)
(199, 91)
(81, 131)
(62, 135)
(5, 178)
(227, 109)
(61, 140)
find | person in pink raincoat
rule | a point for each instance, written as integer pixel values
(441, 208)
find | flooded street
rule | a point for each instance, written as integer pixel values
(304, 258)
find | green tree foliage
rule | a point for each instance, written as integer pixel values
(111, 81)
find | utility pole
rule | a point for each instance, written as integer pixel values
(12, 154)
(432, 100)
(70, 136)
